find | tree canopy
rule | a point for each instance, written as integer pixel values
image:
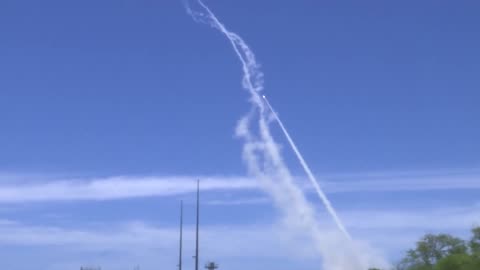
(443, 252)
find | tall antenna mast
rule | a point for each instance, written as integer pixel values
(181, 232)
(198, 221)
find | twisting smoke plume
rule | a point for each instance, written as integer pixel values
(309, 173)
(264, 161)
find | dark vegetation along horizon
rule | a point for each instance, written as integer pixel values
(443, 252)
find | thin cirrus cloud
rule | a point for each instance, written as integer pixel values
(137, 235)
(112, 188)
(366, 224)
(34, 189)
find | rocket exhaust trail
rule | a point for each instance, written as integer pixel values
(310, 175)
(253, 83)
(265, 162)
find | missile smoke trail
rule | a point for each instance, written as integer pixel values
(312, 178)
(253, 83)
(264, 161)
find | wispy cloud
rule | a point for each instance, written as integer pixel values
(34, 188)
(232, 245)
(405, 183)
(138, 233)
(242, 201)
(116, 188)
(453, 218)
(388, 230)
(130, 236)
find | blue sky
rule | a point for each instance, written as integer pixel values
(110, 110)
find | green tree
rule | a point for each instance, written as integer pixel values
(456, 262)
(443, 252)
(430, 250)
(475, 242)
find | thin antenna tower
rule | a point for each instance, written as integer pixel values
(181, 237)
(198, 221)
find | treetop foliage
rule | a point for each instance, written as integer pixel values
(443, 252)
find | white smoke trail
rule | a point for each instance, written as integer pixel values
(263, 159)
(254, 85)
(310, 175)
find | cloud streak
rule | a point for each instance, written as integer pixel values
(35, 189)
(141, 233)
(223, 241)
(389, 230)
(116, 188)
